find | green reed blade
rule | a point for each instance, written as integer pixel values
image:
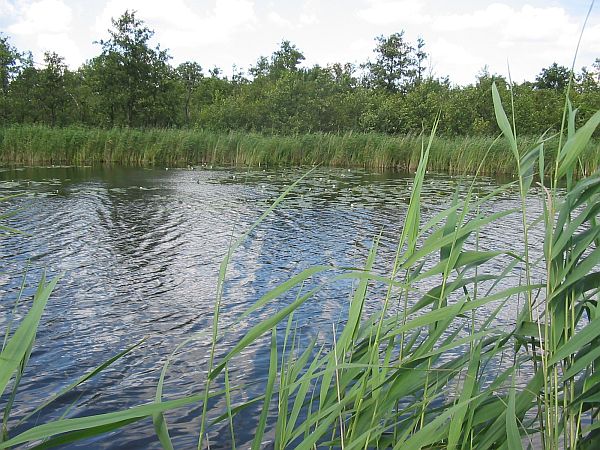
(576, 144)
(503, 122)
(81, 380)
(262, 422)
(79, 435)
(513, 437)
(91, 424)
(24, 335)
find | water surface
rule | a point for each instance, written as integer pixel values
(139, 252)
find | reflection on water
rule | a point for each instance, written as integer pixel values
(139, 251)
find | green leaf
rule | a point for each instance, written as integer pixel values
(78, 435)
(17, 346)
(583, 337)
(262, 327)
(468, 258)
(82, 380)
(576, 144)
(503, 122)
(429, 434)
(527, 166)
(92, 423)
(285, 287)
(512, 431)
(456, 423)
(581, 362)
(529, 329)
(158, 419)
(262, 422)
(352, 325)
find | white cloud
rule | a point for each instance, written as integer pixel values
(385, 12)
(278, 20)
(44, 16)
(47, 24)
(181, 26)
(591, 39)
(304, 20)
(310, 13)
(60, 43)
(492, 15)
(362, 46)
(544, 25)
(149, 11)
(504, 24)
(462, 40)
(450, 57)
(529, 37)
(231, 14)
(6, 9)
(461, 36)
(307, 19)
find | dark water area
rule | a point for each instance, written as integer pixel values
(139, 253)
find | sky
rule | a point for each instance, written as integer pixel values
(461, 36)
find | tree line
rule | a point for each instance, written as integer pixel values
(132, 84)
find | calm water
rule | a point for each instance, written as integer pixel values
(139, 251)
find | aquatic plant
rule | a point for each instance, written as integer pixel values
(394, 378)
(37, 144)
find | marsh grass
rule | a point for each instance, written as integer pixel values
(35, 144)
(419, 375)
(428, 367)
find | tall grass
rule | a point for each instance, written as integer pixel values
(428, 367)
(34, 144)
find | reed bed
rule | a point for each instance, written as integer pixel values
(429, 368)
(36, 144)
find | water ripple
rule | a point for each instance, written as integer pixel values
(139, 252)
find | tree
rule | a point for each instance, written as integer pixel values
(554, 77)
(420, 57)
(9, 63)
(12, 63)
(51, 91)
(586, 81)
(394, 66)
(261, 68)
(343, 75)
(287, 58)
(129, 71)
(190, 75)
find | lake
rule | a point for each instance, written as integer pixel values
(139, 253)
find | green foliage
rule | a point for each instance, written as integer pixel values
(51, 91)
(418, 361)
(132, 84)
(393, 378)
(12, 64)
(133, 81)
(9, 63)
(34, 144)
(286, 59)
(418, 367)
(554, 77)
(189, 75)
(395, 66)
